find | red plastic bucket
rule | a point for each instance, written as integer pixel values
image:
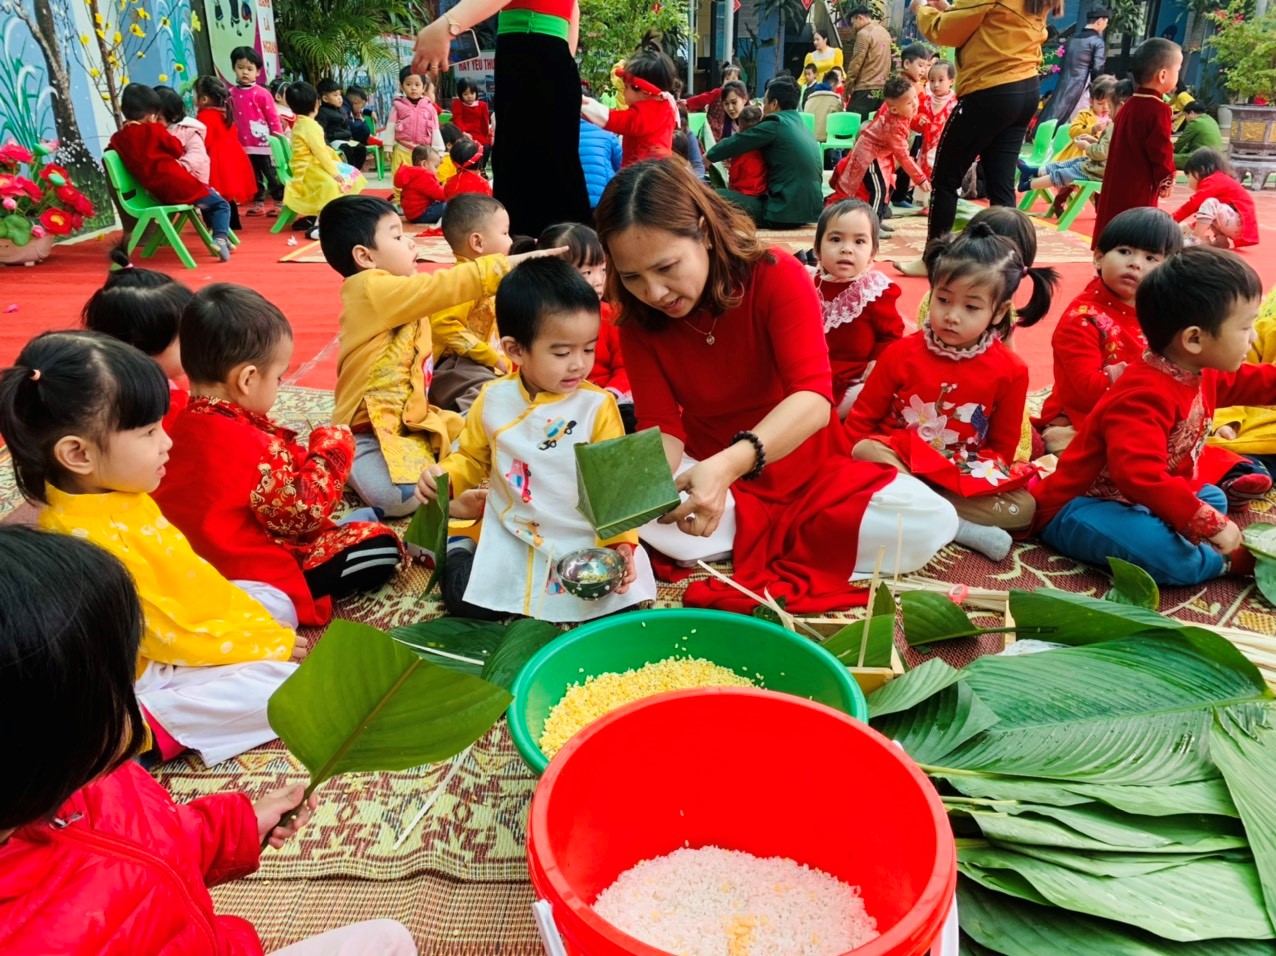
(742, 769)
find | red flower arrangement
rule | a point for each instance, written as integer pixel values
(43, 202)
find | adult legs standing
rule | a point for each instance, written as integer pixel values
(536, 171)
(866, 103)
(988, 124)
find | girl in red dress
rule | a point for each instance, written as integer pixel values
(647, 124)
(467, 157)
(471, 114)
(230, 172)
(947, 403)
(726, 356)
(861, 310)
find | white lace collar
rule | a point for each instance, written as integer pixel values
(847, 306)
(956, 355)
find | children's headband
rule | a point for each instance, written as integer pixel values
(470, 163)
(638, 83)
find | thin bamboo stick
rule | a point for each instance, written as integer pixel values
(872, 590)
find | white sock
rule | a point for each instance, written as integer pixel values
(993, 543)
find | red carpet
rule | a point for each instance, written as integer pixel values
(51, 295)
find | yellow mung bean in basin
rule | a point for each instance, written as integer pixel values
(602, 693)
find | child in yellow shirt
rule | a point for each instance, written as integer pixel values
(1251, 431)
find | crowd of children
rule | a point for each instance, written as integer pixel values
(219, 532)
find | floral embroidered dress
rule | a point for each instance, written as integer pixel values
(936, 111)
(256, 503)
(954, 417)
(861, 318)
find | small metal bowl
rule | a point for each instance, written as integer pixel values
(591, 573)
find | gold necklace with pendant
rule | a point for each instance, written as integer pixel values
(708, 336)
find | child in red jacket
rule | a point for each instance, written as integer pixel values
(646, 125)
(1222, 211)
(868, 171)
(255, 503)
(748, 173)
(471, 114)
(1141, 157)
(152, 156)
(1128, 485)
(585, 252)
(94, 855)
(467, 157)
(421, 194)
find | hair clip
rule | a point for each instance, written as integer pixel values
(35, 375)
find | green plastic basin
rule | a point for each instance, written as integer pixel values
(787, 662)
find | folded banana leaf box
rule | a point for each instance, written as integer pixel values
(624, 482)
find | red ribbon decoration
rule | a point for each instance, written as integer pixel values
(638, 83)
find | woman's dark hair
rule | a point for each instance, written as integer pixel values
(327, 85)
(301, 98)
(74, 383)
(1144, 227)
(652, 64)
(1194, 108)
(1206, 162)
(226, 325)
(139, 306)
(845, 207)
(819, 33)
(736, 87)
(666, 196)
(462, 152)
(139, 101)
(246, 53)
(213, 88)
(538, 289)
(171, 106)
(68, 657)
(784, 91)
(1046, 8)
(582, 243)
(980, 255)
(451, 134)
(465, 85)
(1200, 286)
(350, 221)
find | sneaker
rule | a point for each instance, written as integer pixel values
(257, 209)
(272, 210)
(223, 248)
(313, 233)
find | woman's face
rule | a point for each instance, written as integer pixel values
(663, 270)
(820, 40)
(732, 104)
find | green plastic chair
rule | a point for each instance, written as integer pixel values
(809, 120)
(696, 123)
(378, 152)
(1062, 137)
(167, 221)
(1041, 143)
(842, 130)
(444, 118)
(1084, 189)
(281, 151)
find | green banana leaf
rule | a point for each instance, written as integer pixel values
(1243, 745)
(1062, 827)
(1202, 796)
(931, 617)
(1131, 711)
(1067, 618)
(1204, 899)
(362, 701)
(939, 724)
(1016, 928)
(458, 643)
(428, 531)
(522, 640)
(855, 647)
(1260, 539)
(911, 689)
(1132, 585)
(1124, 864)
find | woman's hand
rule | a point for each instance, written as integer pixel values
(433, 44)
(427, 488)
(272, 808)
(706, 485)
(626, 551)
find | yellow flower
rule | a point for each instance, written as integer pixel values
(97, 18)
(179, 68)
(136, 31)
(163, 77)
(95, 73)
(100, 34)
(84, 39)
(107, 97)
(195, 24)
(117, 38)
(163, 21)
(141, 55)
(142, 14)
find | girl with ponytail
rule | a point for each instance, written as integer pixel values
(647, 125)
(947, 403)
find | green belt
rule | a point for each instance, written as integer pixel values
(529, 21)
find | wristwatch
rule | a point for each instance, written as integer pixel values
(453, 27)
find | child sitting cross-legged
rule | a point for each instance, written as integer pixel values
(520, 436)
(946, 404)
(420, 192)
(385, 363)
(467, 349)
(861, 311)
(1128, 485)
(80, 412)
(95, 855)
(144, 308)
(747, 172)
(1221, 211)
(253, 501)
(153, 156)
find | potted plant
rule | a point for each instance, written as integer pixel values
(1244, 48)
(38, 203)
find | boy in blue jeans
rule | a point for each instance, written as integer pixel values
(1127, 486)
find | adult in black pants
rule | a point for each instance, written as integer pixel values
(536, 167)
(999, 48)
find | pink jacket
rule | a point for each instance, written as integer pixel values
(190, 133)
(415, 124)
(255, 117)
